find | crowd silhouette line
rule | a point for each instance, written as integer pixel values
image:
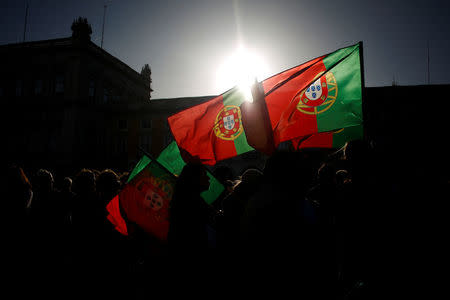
(314, 224)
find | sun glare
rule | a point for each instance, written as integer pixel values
(241, 69)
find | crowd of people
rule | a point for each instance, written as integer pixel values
(313, 225)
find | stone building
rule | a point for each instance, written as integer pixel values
(67, 104)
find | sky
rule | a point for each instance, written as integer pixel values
(187, 42)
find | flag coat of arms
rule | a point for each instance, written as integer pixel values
(144, 200)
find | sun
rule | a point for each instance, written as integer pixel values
(241, 69)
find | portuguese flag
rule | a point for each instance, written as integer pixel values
(211, 131)
(144, 200)
(321, 95)
(329, 139)
(171, 159)
(324, 94)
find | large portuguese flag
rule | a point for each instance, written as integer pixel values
(144, 200)
(321, 95)
(324, 94)
(211, 131)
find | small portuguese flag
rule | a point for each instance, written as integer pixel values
(324, 94)
(171, 159)
(329, 139)
(211, 131)
(144, 200)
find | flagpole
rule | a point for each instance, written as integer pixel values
(154, 160)
(363, 86)
(428, 60)
(25, 26)
(103, 26)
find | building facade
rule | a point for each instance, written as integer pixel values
(67, 104)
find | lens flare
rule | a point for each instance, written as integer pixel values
(241, 69)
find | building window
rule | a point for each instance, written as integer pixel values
(146, 123)
(114, 96)
(105, 95)
(122, 146)
(91, 89)
(122, 124)
(100, 139)
(59, 84)
(38, 83)
(18, 88)
(145, 142)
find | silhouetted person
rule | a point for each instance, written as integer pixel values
(112, 255)
(43, 194)
(47, 214)
(123, 178)
(86, 222)
(64, 198)
(360, 213)
(19, 253)
(325, 197)
(276, 237)
(188, 235)
(107, 185)
(66, 185)
(223, 173)
(18, 196)
(66, 195)
(18, 193)
(234, 206)
(324, 194)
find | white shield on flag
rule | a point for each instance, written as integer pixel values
(228, 122)
(314, 91)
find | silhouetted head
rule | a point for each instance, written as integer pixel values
(84, 182)
(248, 182)
(123, 178)
(357, 155)
(251, 176)
(342, 177)
(44, 181)
(107, 184)
(289, 169)
(326, 174)
(356, 150)
(193, 177)
(18, 189)
(223, 173)
(66, 185)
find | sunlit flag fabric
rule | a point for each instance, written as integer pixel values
(171, 159)
(211, 131)
(329, 139)
(324, 94)
(145, 199)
